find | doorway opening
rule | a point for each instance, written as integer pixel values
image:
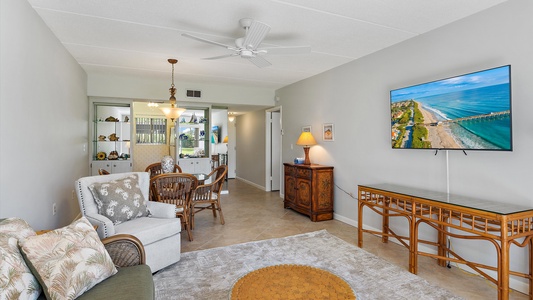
(273, 150)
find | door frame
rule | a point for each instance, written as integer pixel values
(268, 145)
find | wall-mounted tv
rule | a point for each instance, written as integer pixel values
(466, 112)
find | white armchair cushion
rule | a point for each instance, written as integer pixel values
(162, 210)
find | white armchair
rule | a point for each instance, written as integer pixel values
(159, 233)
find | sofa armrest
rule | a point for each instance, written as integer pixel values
(125, 250)
(162, 210)
(104, 226)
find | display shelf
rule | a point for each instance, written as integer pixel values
(104, 134)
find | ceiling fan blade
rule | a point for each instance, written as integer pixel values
(221, 56)
(259, 61)
(255, 35)
(206, 41)
(287, 50)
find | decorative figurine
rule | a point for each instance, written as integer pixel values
(100, 155)
(113, 155)
(101, 138)
(113, 137)
(111, 119)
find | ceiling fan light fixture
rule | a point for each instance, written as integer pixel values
(248, 46)
(172, 112)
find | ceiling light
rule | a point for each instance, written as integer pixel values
(172, 112)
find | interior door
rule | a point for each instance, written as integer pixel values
(275, 152)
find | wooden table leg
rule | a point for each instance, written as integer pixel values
(443, 245)
(385, 222)
(530, 250)
(360, 223)
(503, 266)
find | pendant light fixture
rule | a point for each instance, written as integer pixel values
(172, 112)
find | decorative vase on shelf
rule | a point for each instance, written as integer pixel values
(167, 164)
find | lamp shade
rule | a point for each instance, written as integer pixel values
(225, 140)
(306, 139)
(172, 112)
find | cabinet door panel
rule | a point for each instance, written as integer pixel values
(121, 166)
(186, 165)
(304, 193)
(203, 165)
(290, 189)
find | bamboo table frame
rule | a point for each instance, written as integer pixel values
(501, 224)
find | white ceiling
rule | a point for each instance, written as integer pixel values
(137, 37)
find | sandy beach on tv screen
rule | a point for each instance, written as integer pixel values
(439, 135)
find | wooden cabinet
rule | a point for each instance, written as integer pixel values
(309, 190)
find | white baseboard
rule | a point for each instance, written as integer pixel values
(251, 183)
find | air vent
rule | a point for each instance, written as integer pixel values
(194, 94)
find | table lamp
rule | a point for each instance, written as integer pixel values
(306, 139)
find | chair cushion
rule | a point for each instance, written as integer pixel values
(120, 200)
(16, 279)
(133, 282)
(150, 230)
(68, 261)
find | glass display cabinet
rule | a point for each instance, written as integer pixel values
(111, 132)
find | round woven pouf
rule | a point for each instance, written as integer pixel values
(291, 282)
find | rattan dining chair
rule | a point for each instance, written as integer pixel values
(207, 196)
(175, 188)
(155, 169)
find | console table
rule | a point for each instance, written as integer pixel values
(500, 224)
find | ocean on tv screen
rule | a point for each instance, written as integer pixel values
(470, 112)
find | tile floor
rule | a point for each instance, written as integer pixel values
(252, 214)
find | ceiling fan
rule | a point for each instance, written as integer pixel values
(247, 47)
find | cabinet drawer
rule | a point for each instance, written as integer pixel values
(290, 171)
(304, 173)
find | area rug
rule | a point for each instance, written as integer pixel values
(210, 274)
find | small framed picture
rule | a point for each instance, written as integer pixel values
(306, 128)
(328, 132)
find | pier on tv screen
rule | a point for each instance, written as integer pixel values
(466, 112)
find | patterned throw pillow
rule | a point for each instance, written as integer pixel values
(120, 200)
(16, 279)
(68, 261)
(16, 227)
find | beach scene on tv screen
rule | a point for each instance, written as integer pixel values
(470, 112)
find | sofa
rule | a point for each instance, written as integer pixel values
(159, 231)
(133, 279)
(24, 276)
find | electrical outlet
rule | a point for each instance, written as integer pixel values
(54, 209)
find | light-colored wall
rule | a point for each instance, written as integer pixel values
(107, 85)
(43, 120)
(355, 97)
(250, 153)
